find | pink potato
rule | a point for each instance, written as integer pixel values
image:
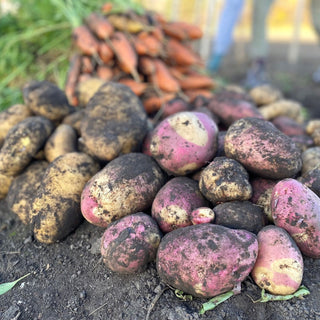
(206, 260)
(262, 149)
(184, 142)
(296, 208)
(130, 243)
(202, 215)
(174, 203)
(279, 266)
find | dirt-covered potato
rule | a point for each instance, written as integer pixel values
(184, 142)
(46, 99)
(202, 215)
(312, 125)
(87, 88)
(174, 203)
(74, 120)
(10, 117)
(63, 140)
(5, 183)
(289, 126)
(310, 159)
(22, 142)
(296, 208)
(279, 266)
(23, 189)
(115, 122)
(126, 185)
(240, 215)
(265, 94)
(311, 179)
(225, 180)
(206, 260)
(262, 149)
(55, 208)
(130, 243)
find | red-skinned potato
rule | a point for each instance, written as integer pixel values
(279, 266)
(206, 260)
(296, 208)
(202, 215)
(130, 243)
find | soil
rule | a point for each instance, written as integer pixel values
(68, 280)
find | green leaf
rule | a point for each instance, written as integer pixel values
(300, 293)
(212, 303)
(5, 287)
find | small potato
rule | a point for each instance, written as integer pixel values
(240, 215)
(289, 126)
(311, 179)
(55, 209)
(279, 266)
(22, 143)
(206, 260)
(74, 120)
(265, 94)
(310, 159)
(296, 209)
(262, 149)
(174, 203)
(46, 99)
(312, 125)
(174, 106)
(5, 183)
(202, 215)
(130, 243)
(63, 140)
(225, 180)
(23, 189)
(87, 88)
(10, 117)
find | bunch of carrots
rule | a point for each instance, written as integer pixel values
(152, 56)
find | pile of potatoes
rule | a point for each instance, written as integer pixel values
(211, 191)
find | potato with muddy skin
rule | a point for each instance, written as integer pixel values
(202, 215)
(262, 149)
(55, 209)
(23, 189)
(311, 179)
(310, 159)
(115, 122)
(279, 266)
(63, 140)
(126, 185)
(130, 243)
(225, 180)
(87, 88)
(206, 260)
(173, 204)
(265, 94)
(74, 120)
(5, 183)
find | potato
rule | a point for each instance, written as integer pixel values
(316, 137)
(312, 125)
(206, 260)
(173, 204)
(265, 94)
(55, 209)
(289, 126)
(130, 243)
(184, 142)
(23, 189)
(46, 99)
(22, 143)
(5, 183)
(202, 215)
(87, 88)
(303, 142)
(296, 209)
(126, 185)
(311, 179)
(279, 266)
(240, 215)
(74, 120)
(63, 140)
(225, 180)
(174, 106)
(262, 149)
(10, 117)
(310, 159)
(115, 122)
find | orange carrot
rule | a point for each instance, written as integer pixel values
(153, 45)
(154, 103)
(139, 45)
(85, 40)
(86, 65)
(104, 72)
(137, 87)
(195, 81)
(158, 33)
(190, 30)
(72, 79)
(146, 65)
(174, 31)
(99, 25)
(107, 7)
(105, 52)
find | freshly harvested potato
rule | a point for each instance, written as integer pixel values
(202, 215)
(279, 266)
(22, 142)
(10, 117)
(310, 159)
(289, 126)
(74, 120)
(175, 201)
(312, 125)
(46, 99)
(262, 149)
(23, 189)
(316, 137)
(240, 215)
(55, 208)
(225, 180)
(63, 140)
(206, 260)
(311, 179)
(265, 94)
(87, 88)
(5, 183)
(184, 142)
(296, 208)
(115, 122)
(173, 106)
(130, 243)
(126, 185)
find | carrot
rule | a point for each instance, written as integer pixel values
(105, 52)
(72, 79)
(125, 54)
(106, 7)
(152, 44)
(146, 65)
(174, 31)
(190, 30)
(139, 46)
(99, 25)
(154, 103)
(85, 40)
(104, 72)
(158, 33)
(195, 81)
(86, 65)
(163, 79)
(137, 87)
